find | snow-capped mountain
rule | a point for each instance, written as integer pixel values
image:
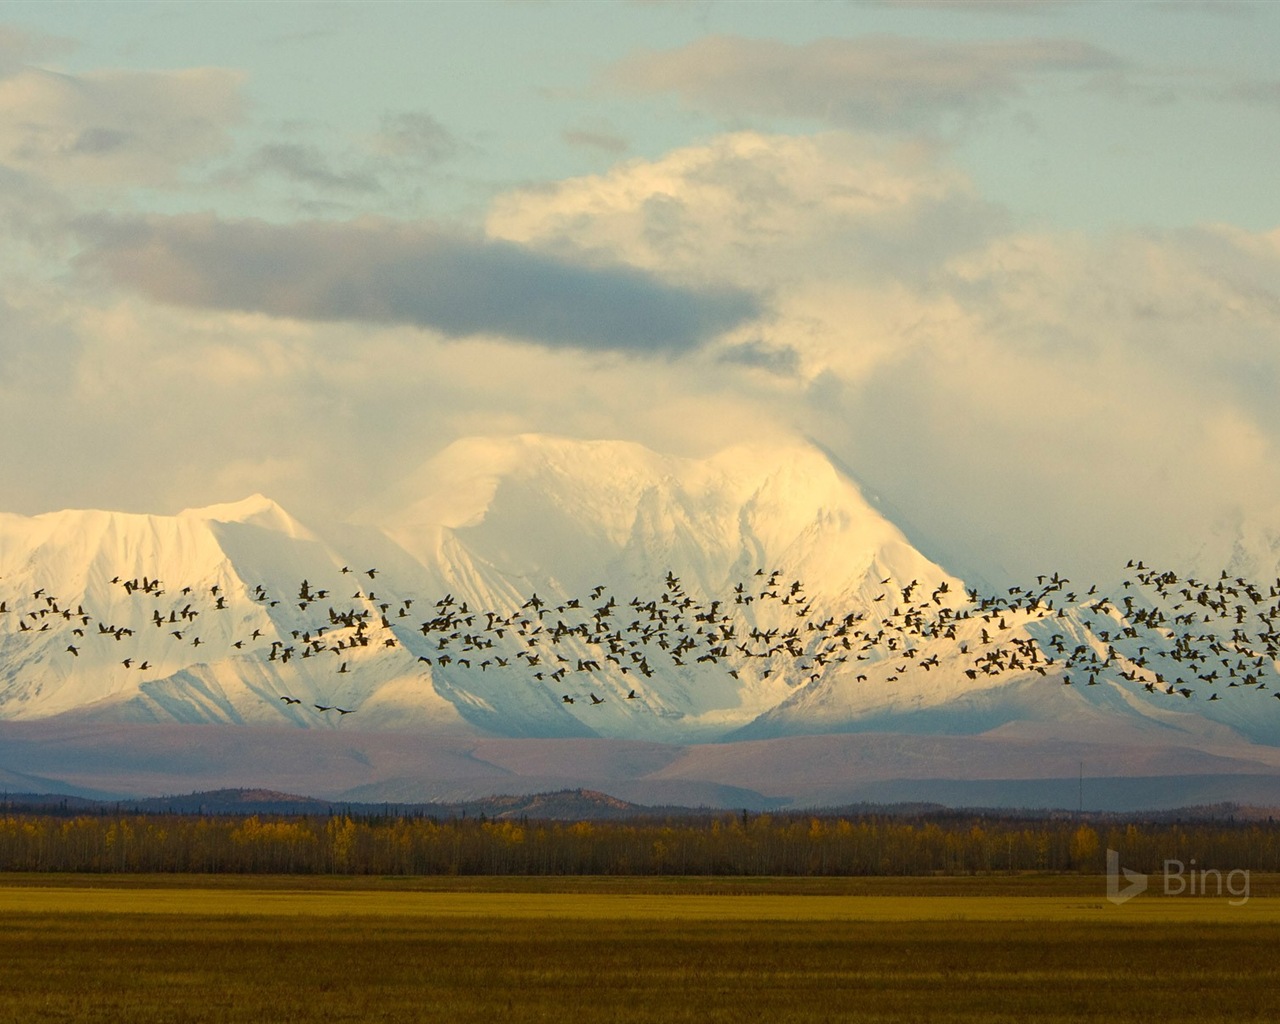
(537, 586)
(499, 520)
(182, 618)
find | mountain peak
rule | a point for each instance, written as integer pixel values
(540, 506)
(255, 510)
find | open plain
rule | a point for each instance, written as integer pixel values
(289, 949)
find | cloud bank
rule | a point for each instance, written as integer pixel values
(382, 272)
(1022, 398)
(1020, 393)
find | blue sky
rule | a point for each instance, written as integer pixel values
(1160, 131)
(245, 244)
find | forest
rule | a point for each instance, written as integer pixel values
(713, 844)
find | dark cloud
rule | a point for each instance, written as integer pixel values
(866, 82)
(384, 272)
(99, 141)
(308, 165)
(782, 360)
(417, 135)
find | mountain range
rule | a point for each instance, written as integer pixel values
(538, 588)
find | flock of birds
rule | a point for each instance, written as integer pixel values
(1160, 633)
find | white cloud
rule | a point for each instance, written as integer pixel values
(867, 82)
(116, 127)
(746, 200)
(842, 232)
(1024, 400)
(130, 405)
(1018, 395)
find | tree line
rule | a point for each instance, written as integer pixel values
(746, 844)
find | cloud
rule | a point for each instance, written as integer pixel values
(868, 82)
(844, 232)
(18, 48)
(783, 361)
(759, 207)
(417, 135)
(116, 127)
(1090, 401)
(389, 273)
(309, 165)
(1025, 397)
(605, 142)
(1028, 400)
(101, 406)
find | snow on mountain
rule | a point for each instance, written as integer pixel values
(535, 510)
(501, 519)
(176, 618)
(542, 587)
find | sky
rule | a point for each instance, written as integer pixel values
(1015, 265)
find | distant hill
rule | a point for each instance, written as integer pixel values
(571, 805)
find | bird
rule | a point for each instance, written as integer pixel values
(291, 700)
(1163, 625)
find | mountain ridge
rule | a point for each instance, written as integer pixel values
(545, 587)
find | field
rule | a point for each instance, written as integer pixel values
(219, 948)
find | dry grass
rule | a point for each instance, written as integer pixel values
(391, 953)
(1081, 886)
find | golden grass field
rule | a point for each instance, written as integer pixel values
(222, 948)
